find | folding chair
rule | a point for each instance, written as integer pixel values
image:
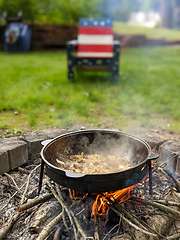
(94, 50)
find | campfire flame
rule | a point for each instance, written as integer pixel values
(104, 200)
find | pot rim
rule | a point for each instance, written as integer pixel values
(48, 142)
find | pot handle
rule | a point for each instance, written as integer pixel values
(74, 175)
(45, 142)
(153, 155)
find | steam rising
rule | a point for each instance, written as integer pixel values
(118, 145)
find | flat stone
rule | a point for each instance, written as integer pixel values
(34, 139)
(14, 153)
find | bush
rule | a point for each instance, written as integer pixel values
(50, 11)
(28, 7)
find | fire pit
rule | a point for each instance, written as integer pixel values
(68, 214)
(108, 142)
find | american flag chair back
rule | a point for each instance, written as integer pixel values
(96, 50)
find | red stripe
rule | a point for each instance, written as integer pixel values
(95, 48)
(95, 30)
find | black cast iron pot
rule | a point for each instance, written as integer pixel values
(97, 141)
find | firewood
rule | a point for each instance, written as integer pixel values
(7, 228)
(27, 184)
(34, 202)
(68, 210)
(166, 209)
(167, 203)
(44, 215)
(44, 233)
(132, 224)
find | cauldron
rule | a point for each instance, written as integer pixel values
(97, 141)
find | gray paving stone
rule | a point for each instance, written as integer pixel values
(17, 153)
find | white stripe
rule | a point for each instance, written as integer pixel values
(94, 54)
(95, 39)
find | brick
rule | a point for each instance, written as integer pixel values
(154, 139)
(169, 153)
(4, 162)
(17, 153)
(34, 140)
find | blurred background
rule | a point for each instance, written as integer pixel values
(34, 89)
(164, 13)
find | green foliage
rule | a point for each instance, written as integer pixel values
(72, 10)
(28, 7)
(50, 11)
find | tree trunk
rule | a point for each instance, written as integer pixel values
(166, 11)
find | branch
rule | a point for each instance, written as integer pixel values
(34, 202)
(161, 207)
(15, 185)
(44, 233)
(136, 220)
(6, 229)
(167, 203)
(132, 224)
(27, 184)
(68, 210)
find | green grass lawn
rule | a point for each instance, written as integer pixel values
(35, 92)
(125, 28)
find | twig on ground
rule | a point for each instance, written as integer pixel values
(174, 236)
(132, 224)
(111, 230)
(63, 204)
(15, 185)
(161, 207)
(68, 210)
(27, 184)
(63, 213)
(6, 229)
(34, 202)
(12, 197)
(136, 220)
(167, 203)
(44, 233)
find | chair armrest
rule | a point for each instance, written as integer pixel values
(72, 42)
(115, 42)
